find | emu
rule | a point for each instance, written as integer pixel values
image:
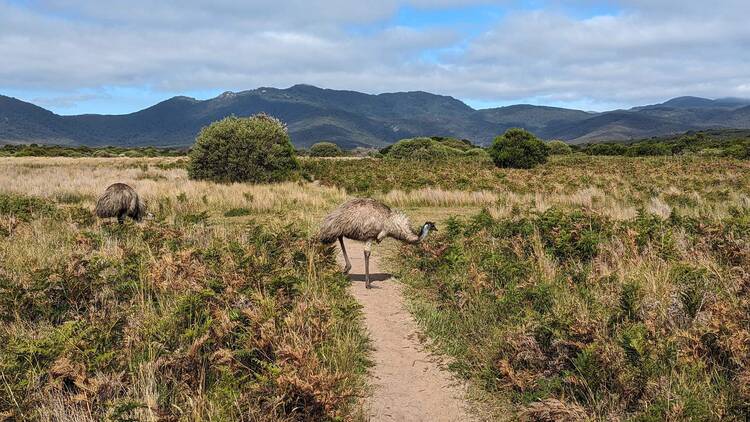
(120, 200)
(366, 220)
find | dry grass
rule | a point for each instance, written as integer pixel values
(279, 317)
(191, 316)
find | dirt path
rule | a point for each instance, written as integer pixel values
(409, 384)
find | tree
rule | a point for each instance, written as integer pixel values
(325, 149)
(518, 148)
(253, 149)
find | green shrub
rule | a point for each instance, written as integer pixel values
(325, 149)
(460, 144)
(34, 150)
(606, 149)
(423, 149)
(255, 149)
(740, 152)
(238, 212)
(557, 147)
(518, 148)
(648, 149)
(25, 208)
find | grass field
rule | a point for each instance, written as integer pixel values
(589, 287)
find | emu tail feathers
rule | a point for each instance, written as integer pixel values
(328, 232)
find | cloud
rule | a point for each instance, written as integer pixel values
(635, 51)
(633, 56)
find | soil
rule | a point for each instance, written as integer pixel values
(409, 383)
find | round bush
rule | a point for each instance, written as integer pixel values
(325, 149)
(424, 149)
(518, 148)
(254, 149)
(559, 148)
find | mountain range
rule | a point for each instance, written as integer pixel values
(354, 119)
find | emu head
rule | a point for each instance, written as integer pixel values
(141, 212)
(426, 227)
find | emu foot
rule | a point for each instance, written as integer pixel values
(346, 269)
(368, 285)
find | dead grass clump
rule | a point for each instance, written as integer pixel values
(553, 410)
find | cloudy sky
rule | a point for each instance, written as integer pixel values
(90, 56)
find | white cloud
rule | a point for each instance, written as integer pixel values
(647, 51)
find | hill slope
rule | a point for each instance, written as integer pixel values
(352, 119)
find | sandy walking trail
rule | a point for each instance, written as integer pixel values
(409, 384)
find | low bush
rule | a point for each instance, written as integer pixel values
(518, 148)
(719, 143)
(35, 150)
(255, 149)
(559, 148)
(25, 208)
(325, 149)
(431, 149)
(421, 149)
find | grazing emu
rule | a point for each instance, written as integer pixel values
(367, 220)
(120, 200)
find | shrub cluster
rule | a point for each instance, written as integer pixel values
(577, 317)
(255, 149)
(518, 148)
(325, 149)
(432, 149)
(557, 147)
(692, 144)
(34, 150)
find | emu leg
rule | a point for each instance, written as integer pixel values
(346, 257)
(368, 247)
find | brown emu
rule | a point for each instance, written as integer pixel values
(120, 200)
(366, 220)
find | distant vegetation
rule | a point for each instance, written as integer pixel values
(34, 150)
(255, 149)
(558, 147)
(733, 144)
(325, 149)
(355, 119)
(518, 148)
(432, 148)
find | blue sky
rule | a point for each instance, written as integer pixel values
(81, 56)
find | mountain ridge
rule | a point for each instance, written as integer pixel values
(352, 119)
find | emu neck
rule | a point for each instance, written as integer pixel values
(423, 233)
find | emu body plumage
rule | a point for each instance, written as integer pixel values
(120, 200)
(368, 220)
